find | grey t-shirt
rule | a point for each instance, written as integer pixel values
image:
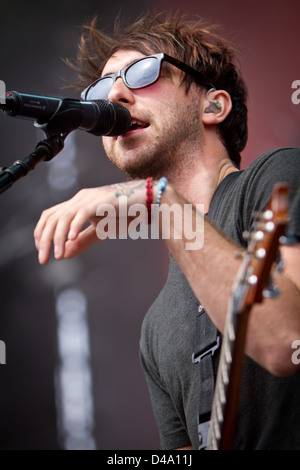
(269, 409)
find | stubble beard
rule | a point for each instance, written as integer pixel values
(168, 149)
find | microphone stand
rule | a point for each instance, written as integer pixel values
(45, 150)
(63, 121)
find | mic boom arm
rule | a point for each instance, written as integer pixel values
(44, 151)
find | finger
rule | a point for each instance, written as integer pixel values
(60, 234)
(45, 243)
(46, 238)
(39, 230)
(85, 240)
(42, 222)
(79, 220)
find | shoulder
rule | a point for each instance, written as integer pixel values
(280, 162)
(280, 165)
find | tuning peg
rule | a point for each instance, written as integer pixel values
(258, 235)
(280, 267)
(246, 235)
(251, 280)
(267, 215)
(288, 240)
(271, 291)
(260, 253)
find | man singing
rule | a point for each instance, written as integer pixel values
(187, 100)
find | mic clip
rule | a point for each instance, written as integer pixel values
(66, 119)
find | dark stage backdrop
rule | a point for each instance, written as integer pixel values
(72, 377)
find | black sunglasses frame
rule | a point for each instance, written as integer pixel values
(197, 76)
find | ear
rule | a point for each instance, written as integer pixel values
(216, 106)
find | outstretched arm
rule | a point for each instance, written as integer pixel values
(211, 271)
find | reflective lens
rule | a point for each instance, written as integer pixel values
(100, 89)
(142, 73)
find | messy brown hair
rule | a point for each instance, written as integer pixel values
(192, 42)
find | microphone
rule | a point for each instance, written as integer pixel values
(98, 117)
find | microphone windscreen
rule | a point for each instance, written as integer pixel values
(114, 119)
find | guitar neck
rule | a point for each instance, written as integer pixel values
(225, 403)
(249, 288)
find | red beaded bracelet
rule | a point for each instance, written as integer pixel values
(149, 197)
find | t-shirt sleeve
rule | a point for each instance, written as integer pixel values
(282, 165)
(171, 430)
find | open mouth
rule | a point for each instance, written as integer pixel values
(135, 124)
(135, 127)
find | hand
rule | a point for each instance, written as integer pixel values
(63, 224)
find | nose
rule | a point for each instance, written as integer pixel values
(120, 93)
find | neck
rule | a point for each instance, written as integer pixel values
(198, 179)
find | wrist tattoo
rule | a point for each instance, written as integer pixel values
(125, 189)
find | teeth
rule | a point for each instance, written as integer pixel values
(137, 123)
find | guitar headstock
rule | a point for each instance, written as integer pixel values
(264, 241)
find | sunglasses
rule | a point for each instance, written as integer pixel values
(139, 74)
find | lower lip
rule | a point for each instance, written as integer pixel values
(131, 133)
